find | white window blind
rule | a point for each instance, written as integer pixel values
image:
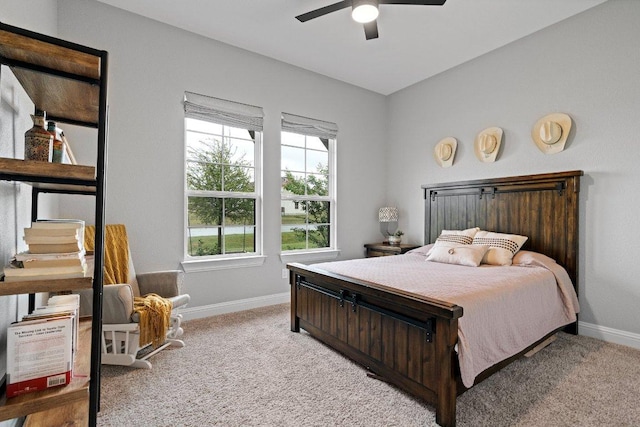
(224, 112)
(308, 126)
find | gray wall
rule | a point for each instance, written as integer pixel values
(151, 65)
(587, 66)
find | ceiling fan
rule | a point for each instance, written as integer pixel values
(363, 11)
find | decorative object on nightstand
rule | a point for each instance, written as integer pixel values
(384, 249)
(487, 144)
(396, 238)
(388, 217)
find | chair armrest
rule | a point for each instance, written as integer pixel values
(167, 284)
(117, 303)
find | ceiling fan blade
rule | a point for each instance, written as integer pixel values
(417, 2)
(371, 30)
(323, 11)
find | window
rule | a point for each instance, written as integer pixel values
(223, 177)
(307, 184)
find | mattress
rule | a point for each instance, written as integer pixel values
(505, 308)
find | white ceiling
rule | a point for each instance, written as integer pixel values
(415, 42)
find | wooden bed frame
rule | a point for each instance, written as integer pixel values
(408, 340)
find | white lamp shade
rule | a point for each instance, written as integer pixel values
(364, 11)
(388, 214)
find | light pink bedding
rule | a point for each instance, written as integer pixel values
(505, 309)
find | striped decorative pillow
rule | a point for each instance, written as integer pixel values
(457, 237)
(502, 247)
(450, 238)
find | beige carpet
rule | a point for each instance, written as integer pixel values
(248, 369)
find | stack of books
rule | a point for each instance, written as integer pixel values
(41, 348)
(56, 251)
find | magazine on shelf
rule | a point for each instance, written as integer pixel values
(39, 354)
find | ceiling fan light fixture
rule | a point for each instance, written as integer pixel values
(364, 11)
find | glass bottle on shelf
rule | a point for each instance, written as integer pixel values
(58, 144)
(38, 142)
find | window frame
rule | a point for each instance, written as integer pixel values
(312, 254)
(224, 260)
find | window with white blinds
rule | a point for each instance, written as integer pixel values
(308, 184)
(223, 182)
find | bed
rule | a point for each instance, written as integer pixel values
(409, 339)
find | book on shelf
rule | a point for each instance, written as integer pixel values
(59, 262)
(50, 248)
(60, 305)
(51, 240)
(56, 251)
(27, 257)
(39, 354)
(55, 236)
(69, 232)
(23, 274)
(52, 224)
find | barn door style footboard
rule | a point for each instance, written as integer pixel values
(406, 340)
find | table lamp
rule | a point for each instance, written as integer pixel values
(388, 217)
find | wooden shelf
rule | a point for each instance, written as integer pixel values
(61, 80)
(33, 286)
(68, 82)
(76, 391)
(49, 176)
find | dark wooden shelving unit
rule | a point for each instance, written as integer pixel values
(69, 82)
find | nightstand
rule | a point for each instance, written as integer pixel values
(385, 249)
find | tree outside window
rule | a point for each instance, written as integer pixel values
(221, 205)
(306, 193)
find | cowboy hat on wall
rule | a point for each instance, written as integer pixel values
(487, 144)
(445, 151)
(550, 133)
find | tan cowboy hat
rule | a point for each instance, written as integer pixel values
(550, 132)
(487, 144)
(445, 151)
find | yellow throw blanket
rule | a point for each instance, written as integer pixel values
(154, 311)
(116, 252)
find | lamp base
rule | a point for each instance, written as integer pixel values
(387, 229)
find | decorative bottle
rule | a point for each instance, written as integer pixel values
(58, 144)
(38, 142)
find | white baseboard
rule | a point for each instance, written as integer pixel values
(191, 313)
(615, 336)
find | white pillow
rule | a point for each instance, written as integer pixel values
(502, 247)
(469, 255)
(456, 237)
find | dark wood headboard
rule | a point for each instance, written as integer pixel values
(543, 207)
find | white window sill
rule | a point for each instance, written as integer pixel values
(194, 266)
(312, 256)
